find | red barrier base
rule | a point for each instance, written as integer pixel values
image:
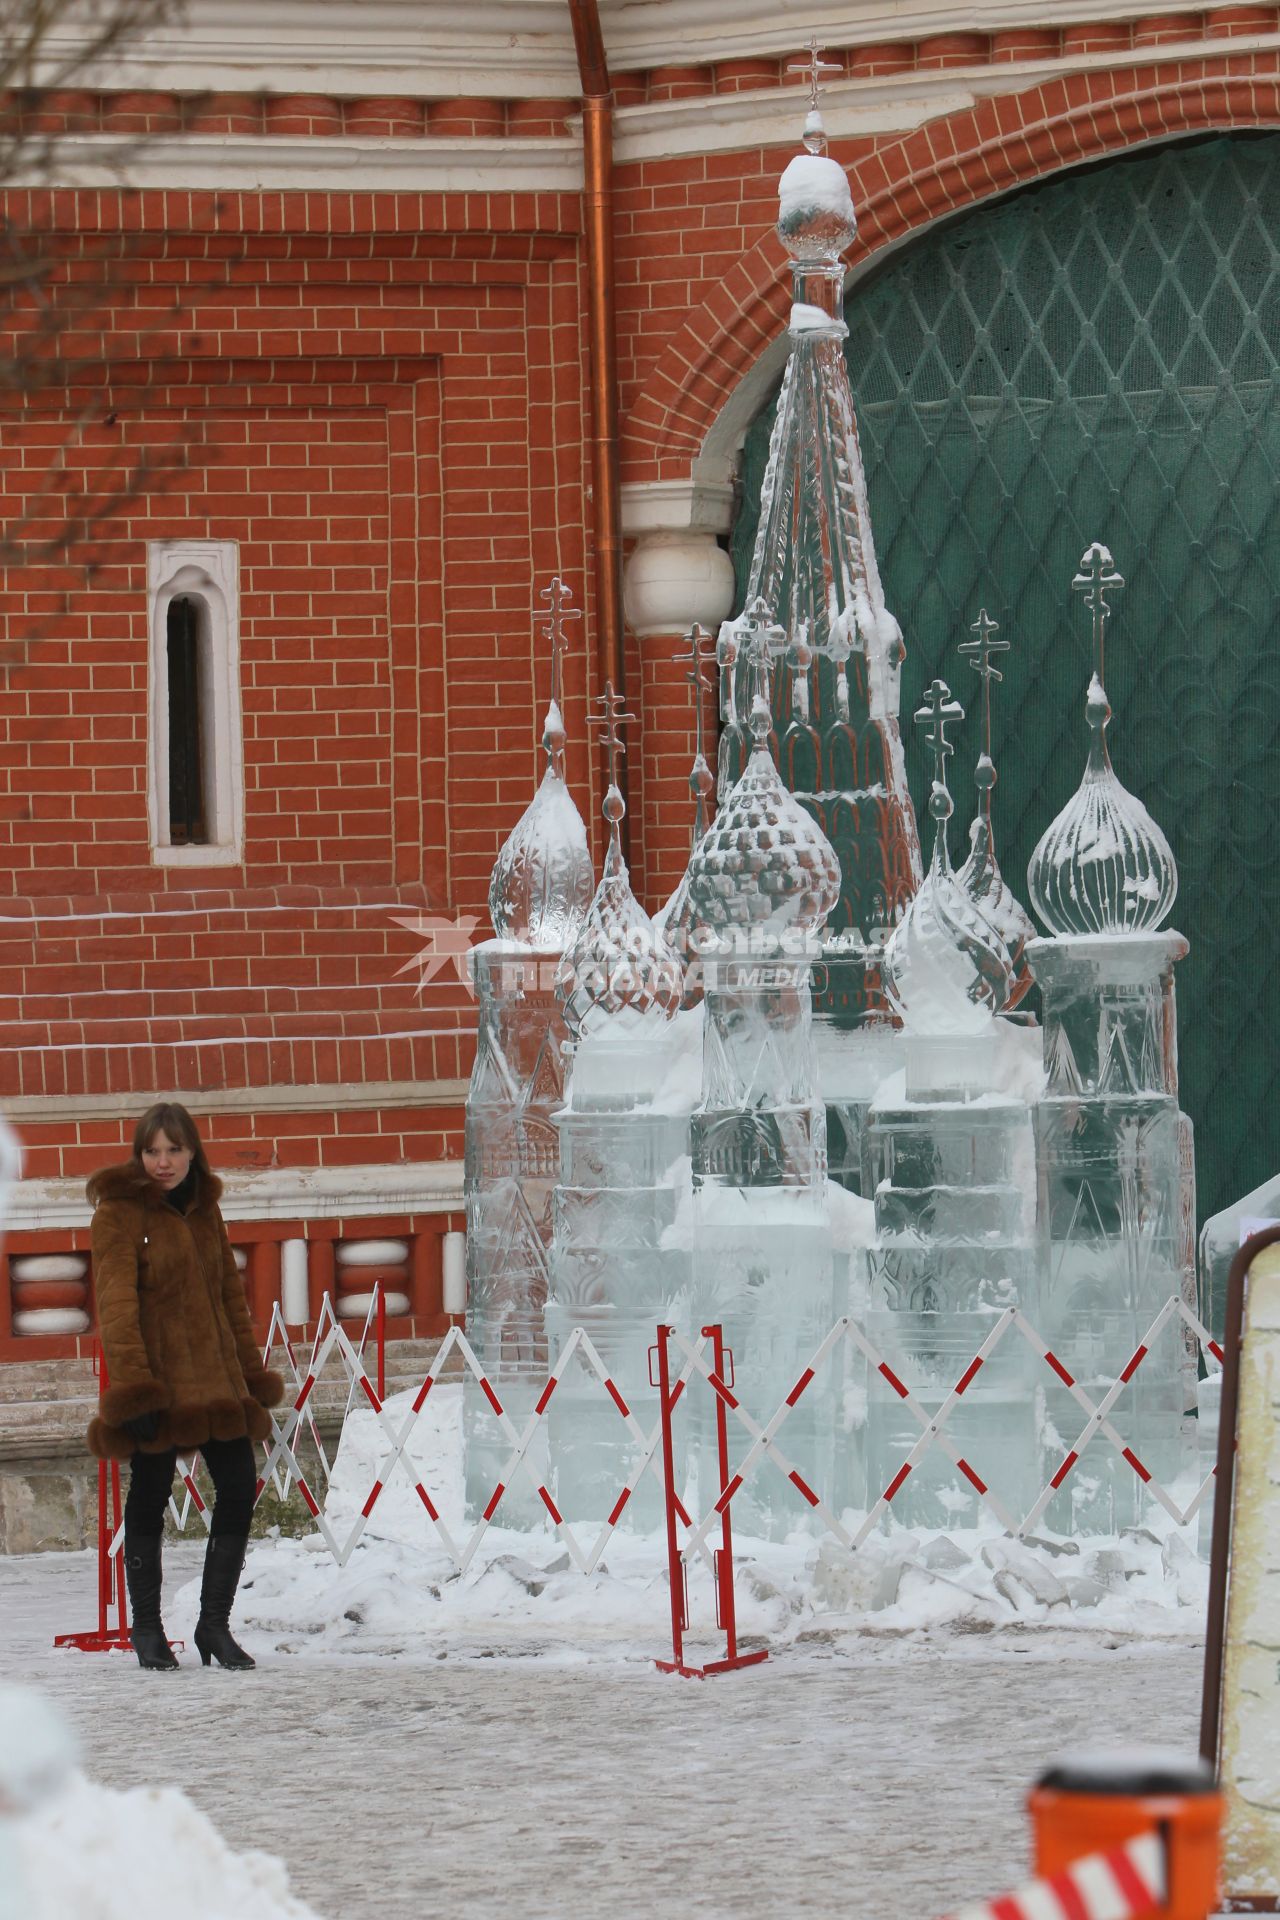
(712, 1666)
(114, 1640)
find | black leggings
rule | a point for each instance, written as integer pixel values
(232, 1468)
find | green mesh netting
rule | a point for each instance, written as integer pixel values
(1098, 358)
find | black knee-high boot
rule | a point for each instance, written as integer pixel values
(224, 1557)
(142, 1557)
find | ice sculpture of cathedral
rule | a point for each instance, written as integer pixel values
(542, 883)
(797, 1092)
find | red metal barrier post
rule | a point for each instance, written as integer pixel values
(675, 1560)
(105, 1638)
(721, 1382)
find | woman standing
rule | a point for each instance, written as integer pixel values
(182, 1369)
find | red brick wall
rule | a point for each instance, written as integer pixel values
(382, 396)
(389, 423)
(393, 435)
(247, 1142)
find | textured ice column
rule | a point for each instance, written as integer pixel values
(620, 1140)
(617, 1267)
(1116, 1191)
(761, 884)
(512, 1157)
(953, 1179)
(763, 1261)
(950, 1166)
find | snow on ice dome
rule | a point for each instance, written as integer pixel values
(815, 206)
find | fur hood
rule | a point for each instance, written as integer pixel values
(131, 1181)
(177, 1340)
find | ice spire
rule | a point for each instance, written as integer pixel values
(618, 963)
(1103, 866)
(980, 876)
(946, 968)
(542, 878)
(814, 576)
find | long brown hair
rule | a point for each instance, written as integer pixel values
(166, 1116)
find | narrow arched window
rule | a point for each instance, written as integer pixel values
(195, 755)
(187, 812)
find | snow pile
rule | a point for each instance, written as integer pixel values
(142, 1854)
(521, 1594)
(145, 1854)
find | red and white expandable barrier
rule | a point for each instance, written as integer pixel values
(400, 1459)
(1012, 1323)
(684, 1360)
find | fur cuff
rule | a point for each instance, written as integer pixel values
(125, 1403)
(266, 1388)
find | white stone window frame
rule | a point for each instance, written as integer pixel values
(208, 570)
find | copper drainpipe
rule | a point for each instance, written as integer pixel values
(597, 157)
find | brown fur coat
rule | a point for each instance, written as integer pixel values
(173, 1319)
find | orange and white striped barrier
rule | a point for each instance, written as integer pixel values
(1119, 1833)
(1120, 1884)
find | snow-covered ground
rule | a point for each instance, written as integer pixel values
(415, 1739)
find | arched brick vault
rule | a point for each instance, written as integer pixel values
(948, 165)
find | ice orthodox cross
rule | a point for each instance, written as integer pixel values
(1095, 580)
(559, 609)
(764, 640)
(979, 652)
(933, 718)
(814, 68)
(610, 719)
(698, 653)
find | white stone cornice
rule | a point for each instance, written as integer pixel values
(862, 108)
(208, 162)
(666, 506)
(521, 49)
(426, 49)
(40, 1109)
(665, 129)
(277, 1193)
(639, 34)
(726, 122)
